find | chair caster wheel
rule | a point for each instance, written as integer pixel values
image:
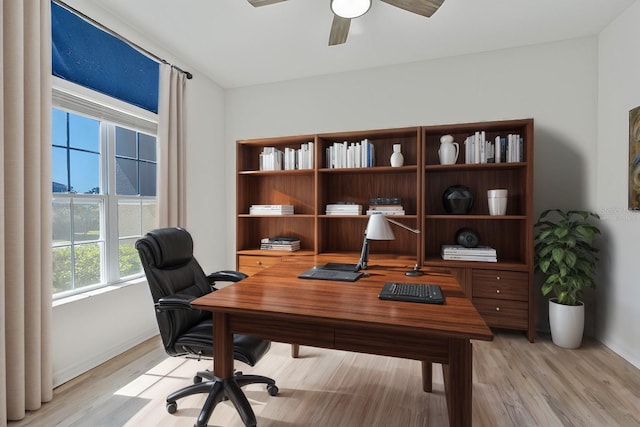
(272, 390)
(172, 407)
(197, 379)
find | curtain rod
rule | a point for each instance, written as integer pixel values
(121, 38)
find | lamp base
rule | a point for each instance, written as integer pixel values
(415, 272)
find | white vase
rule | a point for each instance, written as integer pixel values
(567, 324)
(448, 151)
(397, 159)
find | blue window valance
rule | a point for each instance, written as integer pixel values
(93, 58)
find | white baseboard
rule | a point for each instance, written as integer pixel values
(70, 372)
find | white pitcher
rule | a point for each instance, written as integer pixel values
(448, 151)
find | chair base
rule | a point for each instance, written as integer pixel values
(218, 390)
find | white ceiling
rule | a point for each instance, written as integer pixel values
(237, 45)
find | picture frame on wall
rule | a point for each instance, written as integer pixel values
(634, 159)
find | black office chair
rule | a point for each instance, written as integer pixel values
(175, 279)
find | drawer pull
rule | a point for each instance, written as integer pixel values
(259, 262)
(497, 308)
(497, 291)
(497, 277)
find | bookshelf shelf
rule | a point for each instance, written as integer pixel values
(375, 169)
(449, 217)
(419, 183)
(294, 216)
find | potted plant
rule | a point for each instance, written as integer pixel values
(566, 255)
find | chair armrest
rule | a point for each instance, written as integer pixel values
(226, 276)
(175, 302)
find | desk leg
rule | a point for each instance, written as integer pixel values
(458, 382)
(427, 376)
(223, 368)
(295, 350)
(222, 347)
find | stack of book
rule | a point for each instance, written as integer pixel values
(350, 155)
(270, 159)
(271, 210)
(280, 243)
(299, 158)
(385, 206)
(461, 253)
(500, 150)
(344, 209)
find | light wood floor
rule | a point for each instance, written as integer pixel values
(516, 383)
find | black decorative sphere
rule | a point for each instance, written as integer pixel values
(457, 199)
(467, 237)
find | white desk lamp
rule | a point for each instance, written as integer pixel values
(378, 229)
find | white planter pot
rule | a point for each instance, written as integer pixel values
(567, 324)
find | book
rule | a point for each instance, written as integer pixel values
(271, 210)
(275, 247)
(462, 250)
(344, 209)
(500, 150)
(453, 257)
(385, 201)
(350, 155)
(462, 253)
(395, 212)
(280, 243)
(385, 207)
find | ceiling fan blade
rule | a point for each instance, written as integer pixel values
(421, 7)
(339, 30)
(258, 3)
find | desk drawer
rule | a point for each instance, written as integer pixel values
(499, 284)
(250, 264)
(502, 313)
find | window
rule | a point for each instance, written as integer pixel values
(104, 192)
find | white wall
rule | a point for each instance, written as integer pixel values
(555, 83)
(619, 91)
(90, 330)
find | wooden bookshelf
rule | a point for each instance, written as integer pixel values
(502, 291)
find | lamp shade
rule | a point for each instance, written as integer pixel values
(378, 228)
(350, 8)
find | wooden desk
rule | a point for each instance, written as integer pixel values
(276, 305)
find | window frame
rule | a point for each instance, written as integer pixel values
(111, 113)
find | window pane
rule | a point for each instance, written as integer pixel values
(86, 221)
(61, 221)
(126, 177)
(147, 179)
(126, 143)
(147, 147)
(85, 172)
(149, 216)
(59, 170)
(59, 128)
(129, 218)
(87, 264)
(80, 169)
(84, 133)
(129, 261)
(62, 269)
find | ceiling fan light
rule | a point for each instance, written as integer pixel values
(350, 8)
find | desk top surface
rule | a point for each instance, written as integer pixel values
(277, 293)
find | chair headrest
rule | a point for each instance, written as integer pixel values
(173, 246)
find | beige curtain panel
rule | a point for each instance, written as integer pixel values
(171, 154)
(25, 207)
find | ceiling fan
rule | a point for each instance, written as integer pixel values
(345, 10)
